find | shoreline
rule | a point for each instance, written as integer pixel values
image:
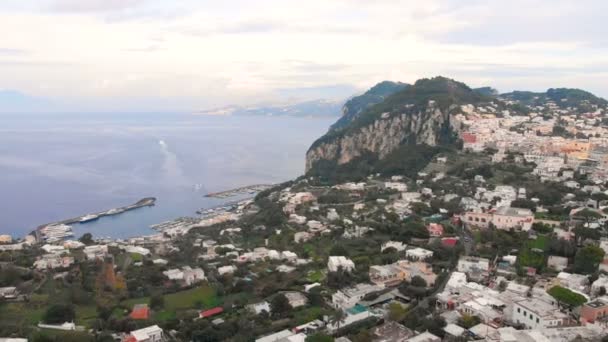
(144, 202)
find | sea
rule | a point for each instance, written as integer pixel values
(58, 166)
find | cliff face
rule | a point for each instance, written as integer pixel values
(355, 106)
(419, 114)
(384, 135)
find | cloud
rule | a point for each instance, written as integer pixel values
(94, 5)
(11, 52)
(189, 54)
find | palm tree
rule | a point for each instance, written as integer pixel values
(338, 318)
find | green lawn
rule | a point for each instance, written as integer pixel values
(183, 300)
(316, 276)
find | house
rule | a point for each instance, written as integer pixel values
(296, 299)
(601, 282)
(474, 267)
(226, 269)
(140, 311)
(301, 237)
(403, 270)
(211, 312)
(453, 331)
(281, 336)
(535, 313)
(424, 337)
(595, 310)
(513, 218)
(434, 229)
(349, 297)
(260, 307)
(573, 281)
(557, 263)
(505, 218)
(186, 275)
(150, 334)
(10, 292)
(418, 254)
(53, 261)
(397, 245)
(339, 262)
(96, 252)
(391, 331)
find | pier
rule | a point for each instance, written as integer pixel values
(249, 189)
(144, 202)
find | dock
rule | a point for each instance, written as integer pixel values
(249, 189)
(144, 202)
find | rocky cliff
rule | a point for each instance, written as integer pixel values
(419, 114)
(356, 105)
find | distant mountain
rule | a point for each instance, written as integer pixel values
(16, 102)
(353, 107)
(323, 108)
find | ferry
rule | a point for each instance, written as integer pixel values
(88, 218)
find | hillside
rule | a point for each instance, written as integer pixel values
(355, 106)
(561, 97)
(417, 115)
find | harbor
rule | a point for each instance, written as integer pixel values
(249, 189)
(62, 229)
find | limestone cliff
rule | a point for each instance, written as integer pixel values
(420, 114)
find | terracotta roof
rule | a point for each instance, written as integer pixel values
(211, 312)
(140, 311)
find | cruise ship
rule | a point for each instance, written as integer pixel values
(88, 218)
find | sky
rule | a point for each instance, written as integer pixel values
(144, 55)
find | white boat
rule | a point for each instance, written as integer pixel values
(88, 218)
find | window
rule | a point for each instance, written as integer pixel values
(537, 320)
(518, 311)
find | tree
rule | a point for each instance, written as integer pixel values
(157, 302)
(468, 321)
(59, 313)
(587, 259)
(396, 312)
(566, 296)
(418, 281)
(338, 318)
(279, 305)
(338, 250)
(87, 239)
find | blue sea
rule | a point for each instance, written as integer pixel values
(58, 166)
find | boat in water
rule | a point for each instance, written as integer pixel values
(88, 218)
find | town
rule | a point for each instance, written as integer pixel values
(504, 239)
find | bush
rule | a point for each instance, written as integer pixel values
(59, 313)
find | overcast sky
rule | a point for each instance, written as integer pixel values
(193, 54)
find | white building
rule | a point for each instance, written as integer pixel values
(336, 262)
(474, 267)
(535, 313)
(397, 245)
(597, 285)
(186, 274)
(418, 254)
(349, 297)
(558, 263)
(150, 334)
(260, 307)
(226, 269)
